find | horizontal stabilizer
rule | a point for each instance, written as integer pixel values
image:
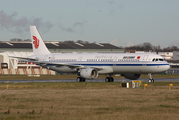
(24, 58)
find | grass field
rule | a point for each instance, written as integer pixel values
(88, 101)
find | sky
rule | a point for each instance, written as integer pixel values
(119, 22)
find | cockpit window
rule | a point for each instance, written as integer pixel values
(158, 59)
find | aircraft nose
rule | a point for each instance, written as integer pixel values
(167, 67)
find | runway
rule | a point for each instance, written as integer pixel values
(72, 80)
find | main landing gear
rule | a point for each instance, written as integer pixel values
(109, 79)
(80, 79)
(150, 78)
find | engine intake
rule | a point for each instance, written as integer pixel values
(131, 76)
(89, 73)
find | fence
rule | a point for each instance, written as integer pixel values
(24, 71)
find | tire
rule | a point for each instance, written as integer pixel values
(107, 79)
(83, 80)
(78, 79)
(111, 79)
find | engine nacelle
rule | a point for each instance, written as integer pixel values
(89, 73)
(131, 76)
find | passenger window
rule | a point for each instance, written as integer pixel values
(153, 59)
(156, 60)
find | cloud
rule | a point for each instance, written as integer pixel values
(116, 42)
(21, 25)
(114, 6)
(111, 2)
(68, 29)
(129, 44)
(77, 25)
(38, 22)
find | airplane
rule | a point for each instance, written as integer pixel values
(90, 65)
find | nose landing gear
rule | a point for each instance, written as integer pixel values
(150, 78)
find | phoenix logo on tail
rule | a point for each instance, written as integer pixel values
(36, 42)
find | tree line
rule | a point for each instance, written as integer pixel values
(149, 47)
(67, 41)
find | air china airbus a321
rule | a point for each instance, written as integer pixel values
(90, 65)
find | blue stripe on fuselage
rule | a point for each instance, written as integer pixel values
(114, 64)
(122, 64)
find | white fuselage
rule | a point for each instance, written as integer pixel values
(88, 66)
(110, 63)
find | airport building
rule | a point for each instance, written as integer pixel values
(60, 47)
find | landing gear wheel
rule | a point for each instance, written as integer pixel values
(79, 79)
(109, 79)
(151, 80)
(83, 80)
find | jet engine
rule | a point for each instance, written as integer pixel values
(131, 76)
(89, 73)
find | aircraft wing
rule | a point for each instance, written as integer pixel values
(24, 58)
(64, 64)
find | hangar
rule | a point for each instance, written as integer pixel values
(59, 47)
